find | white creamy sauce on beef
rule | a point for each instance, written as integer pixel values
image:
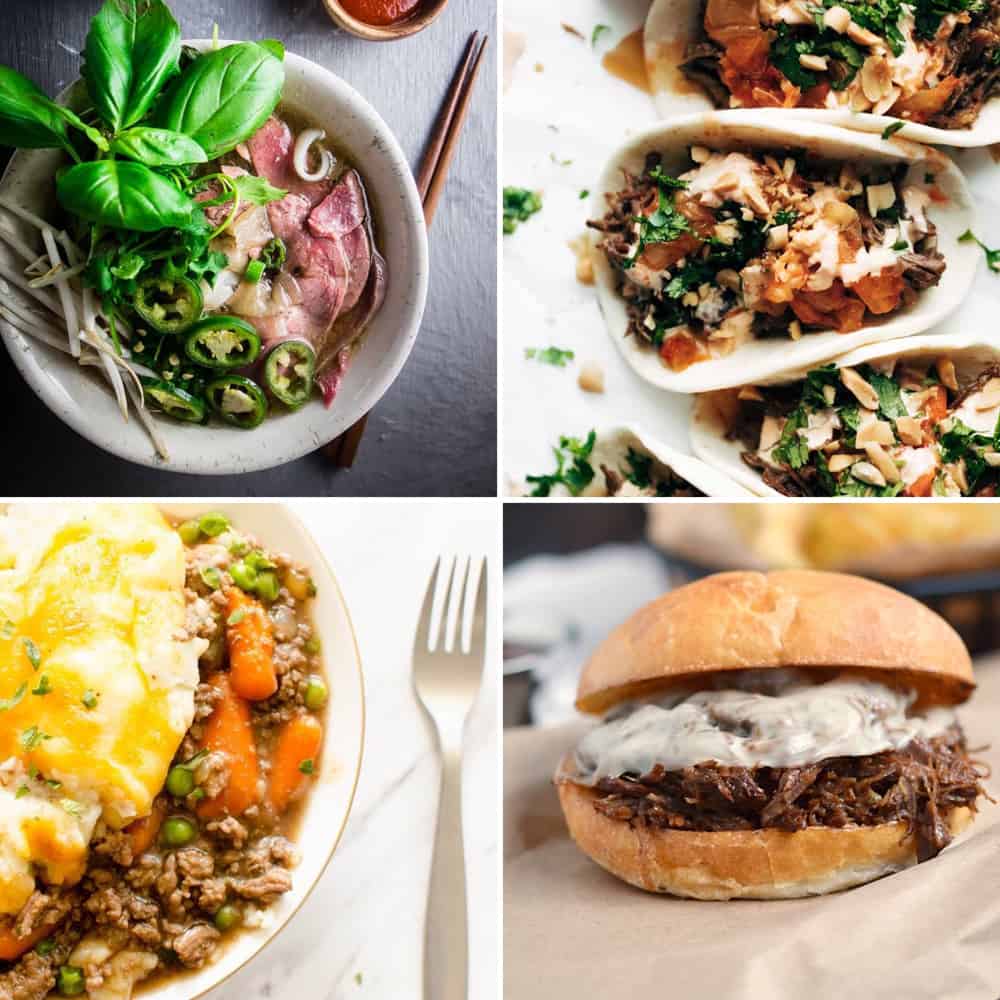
(797, 725)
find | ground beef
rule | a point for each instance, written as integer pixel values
(918, 785)
(195, 945)
(30, 979)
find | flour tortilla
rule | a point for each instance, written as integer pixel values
(672, 24)
(755, 131)
(971, 354)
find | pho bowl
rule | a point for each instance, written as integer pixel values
(326, 809)
(82, 400)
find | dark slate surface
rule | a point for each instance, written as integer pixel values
(434, 433)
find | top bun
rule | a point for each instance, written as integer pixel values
(769, 621)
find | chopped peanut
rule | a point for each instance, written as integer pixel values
(591, 377)
(860, 389)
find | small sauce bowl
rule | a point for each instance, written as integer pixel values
(425, 14)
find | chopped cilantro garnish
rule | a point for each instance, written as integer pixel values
(666, 224)
(560, 163)
(32, 737)
(787, 47)
(890, 400)
(8, 629)
(44, 685)
(14, 699)
(791, 449)
(519, 205)
(22, 790)
(584, 194)
(47, 946)
(640, 469)
(307, 766)
(237, 616)
(815, 381)
(900, 245)
(34, 656)
(554, 356)
(891, 130)
(690, 276)
(89, 699)
(784, 217)
(992, 256)
(928, 14)
(573, 470)
(881, 17)
(72, 807)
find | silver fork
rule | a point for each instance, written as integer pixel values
(447, 680)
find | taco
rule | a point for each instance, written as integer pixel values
(628, 463)
(933, 64)
(918, 417)
(730, 246)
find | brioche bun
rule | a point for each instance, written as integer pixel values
(765, 621)
(805, 619)
(740, 864)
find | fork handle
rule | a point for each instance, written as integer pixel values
(446, 940)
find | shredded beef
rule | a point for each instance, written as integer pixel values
(918, 785)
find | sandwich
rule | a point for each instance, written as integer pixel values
(771, 736)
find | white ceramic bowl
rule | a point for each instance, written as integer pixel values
(81, 397)
(329, 804)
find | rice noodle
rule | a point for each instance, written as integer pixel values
(300, 157)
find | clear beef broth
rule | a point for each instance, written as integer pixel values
(217, 883)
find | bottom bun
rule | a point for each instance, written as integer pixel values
(740, 864)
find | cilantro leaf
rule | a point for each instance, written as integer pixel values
(791, 449)
(992, 256)
(599, 31)
(554, 356)
(519, 205)
(928, 14)
(815, 382)
(32, 737)
(576, 476)
(891, 130)
(640, 469)
(890, 400)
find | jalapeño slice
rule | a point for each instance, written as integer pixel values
(168, 305)
(222, 342)
(289, 371)
(237, 400)
(173, 400)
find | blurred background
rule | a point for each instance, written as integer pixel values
(573, 571)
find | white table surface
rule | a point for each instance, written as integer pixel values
(360, 935)
(563, 116)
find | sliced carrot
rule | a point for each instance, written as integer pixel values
(298, 742)
(251, 647)
(142, 832)
(228, 730)
(12, 946)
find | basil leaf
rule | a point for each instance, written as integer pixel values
(158, 147)
(28, 119)
(132, 49)
(225, 96)
(126, 195)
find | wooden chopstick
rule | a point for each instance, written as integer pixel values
(430, 184)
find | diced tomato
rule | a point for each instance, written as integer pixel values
(923, 486)
(660, 256)
(745, 70)
(681, 351)
(833, 308)
(881, 292)
(937, 195)
(936, 406)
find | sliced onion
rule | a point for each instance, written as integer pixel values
(300, 158)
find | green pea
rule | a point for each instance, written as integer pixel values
(178, 831)
(267, 585)
(180, 781)
(244, 576)
(70, 981)
(316, 693)
(213, 524)
(313, 645)
(228, 917)
(190, 532)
